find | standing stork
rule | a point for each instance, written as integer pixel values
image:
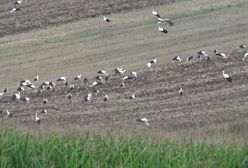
(177, 58)
(242, 47)
(61, 79)
(103, 72)
(180, 92)
(14, 10)
(220, 54)
(189, 58)
(106, 98)
(69, 96)
(37, 119)
(105, 18)
(162, 30)
(45, 101)
(155, 13)
(78, 77)
(245, 56)
(227, 77)
(9, 114)
(119, 70)
(132, 96)
(36, 78)
(144, 120)
(152, 62)
(18, 2)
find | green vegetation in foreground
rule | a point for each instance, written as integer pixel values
(19, 150)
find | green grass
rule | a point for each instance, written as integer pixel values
(24, 150)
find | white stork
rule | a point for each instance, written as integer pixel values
(242, 47)
(16, 96)
(45, 101)
(26, 99)
(14, 10)
(180, 92)
(44, 111)
(36, 78)
(134, 74)
(98, 78)
(119, 70)
(163, 30)
(245, 56)
(122, 84)
(93, 84)
(78, 77)
(132, 96)
(105, 18)
(177, 58)
(88, 97)
(9, 114)
(105, 98)
(18, 2)
(32, 86)
(220, 54)
(103, 72)
(127, 78)
(227, 77)
(152, 62)
(189, 58)
(62, 78)
(144, 120)
(165, 21)
(37, 119)
(71, 87)
(155, 13)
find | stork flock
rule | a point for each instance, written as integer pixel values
(103, 76)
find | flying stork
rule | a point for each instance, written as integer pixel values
(165, 20)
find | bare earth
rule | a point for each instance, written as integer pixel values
(130, 41)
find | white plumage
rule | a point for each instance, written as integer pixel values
(180, 92)
(163, 30)
(37, 119)
(245, 56)
(165, 21)
(177, 58)
(152, 62)
(105, 18)
(227, 77)
(78, 77)
(144, 120)
(155, 13)
(62, 78)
